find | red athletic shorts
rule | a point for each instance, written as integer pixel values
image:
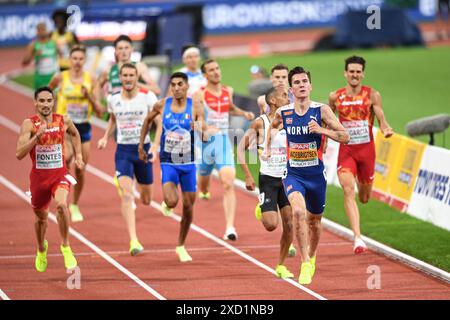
(359, 160)
(42, 191)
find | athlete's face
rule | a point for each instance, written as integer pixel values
(213, 73)
(179, 88)
(44, 103)
(123, 51)
(354, 74)
(279, 78)
(128, 77)
(301, 87)
(41, 31)
(192, 61)
(281, 97)
(77, 60)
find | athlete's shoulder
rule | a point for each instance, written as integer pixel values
(287, 107)
(315, 104)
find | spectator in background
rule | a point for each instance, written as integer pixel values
(63, 38)
(258, 72)
(191, 61)
(45, 54)
(443, 19)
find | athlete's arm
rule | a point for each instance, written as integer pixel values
(110, 127)
(199, 116)
(154, 149)
(332, 101)
(378, 110)
(93, 97)
(261, 101)
(235, 111)
(333, 129)
(157, 110)
(26, 141)
(29, 54)
(251, 135)
(145, 75)
(76, 141)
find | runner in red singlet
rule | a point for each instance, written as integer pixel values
(42, 136)
(357, 105)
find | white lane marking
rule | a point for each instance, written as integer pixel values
(88, 243)
(3, 295)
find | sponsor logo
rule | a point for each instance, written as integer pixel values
(313, 117)
(288, 113)
(288, 120)
(289, 188)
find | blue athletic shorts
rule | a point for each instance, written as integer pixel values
(217, 152)
(85, 131)
(128, 163)
(313, 188)
(185, 175)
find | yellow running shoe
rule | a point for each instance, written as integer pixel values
(41, 258)
(313, 264)
(116, 183)
(204, 196)
(258, 212)
(135, 247)
(283, 272)
(305, 273)
(166, 210)
(75, 213)
(292, 251)
(69, 259)
(183, 255)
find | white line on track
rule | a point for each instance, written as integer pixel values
(3, 295)
(88, 243)
(104, 176)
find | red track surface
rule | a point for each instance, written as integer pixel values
(215, 272)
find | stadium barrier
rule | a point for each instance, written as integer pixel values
(411, 176)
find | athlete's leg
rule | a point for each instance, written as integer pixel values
(128, 213)
(204, 183)
(146, 191)
(186, 220)
(62, 214)
(364, 192)
(270, 220)
(298, 206)
(347, 181)
(68, 151)
(288, 234)
(170, 192)
(40, 227)
(315, 231)
(227, 175)
(80, 173)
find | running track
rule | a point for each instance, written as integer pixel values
(218, 271)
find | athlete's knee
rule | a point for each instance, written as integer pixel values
(228, 184)
(171, 201)
(41, 216)
(270, 225)
(61, 207)
(349, 190)
(314, 220)
(127, 196)
(299, 213)
(364, 197)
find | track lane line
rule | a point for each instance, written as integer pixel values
(3, 295)
(12, 187)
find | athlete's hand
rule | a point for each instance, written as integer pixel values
(249, 183)
(101, 144)
(314, 127)
(325, 145)
(40, 131)
(154, 151)
(79, 161)
(266, 154)
(249, 116)
(142, 154)
(387, 132)
(84, 92)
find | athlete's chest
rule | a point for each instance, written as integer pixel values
(220, 104)
(358, 106)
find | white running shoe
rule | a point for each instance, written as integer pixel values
(230, 234)
(359, 246)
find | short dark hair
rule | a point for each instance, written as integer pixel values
(279, 66)
(269, 94)
(203, 66)
(181, 75)
(298, 70)
(355, 59)
(122, 37)
(42, 89)
(78, 47)
(128, 65)
(60, 13)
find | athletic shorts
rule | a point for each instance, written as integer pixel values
(85, 131)
(41, 80)
(313, 188)
(217, 152)
(359, 160)
(185, 175)
(271, 194)
(43, 191)
(128, 163)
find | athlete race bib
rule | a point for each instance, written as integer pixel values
(49, 156)
(219, 120)
(78, 113)
(358, 131)
(303, 154)
(46, 65)
(128, 133)
(177, 142)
